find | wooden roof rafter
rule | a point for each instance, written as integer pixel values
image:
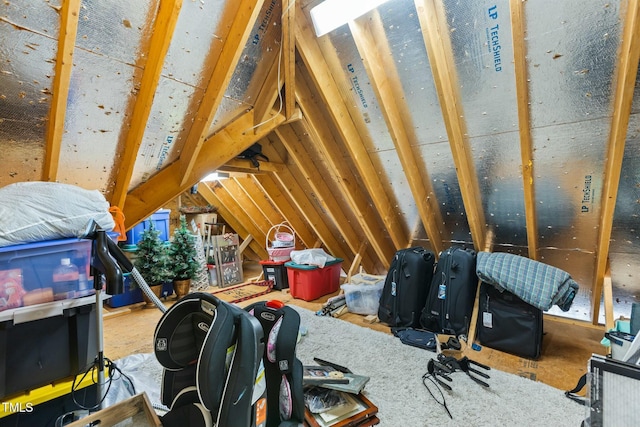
(234, 44)
(323, 140)
(314, 178)
(260, 199)
(69, 15)
(168, 183)
(247, 206)
(264, 204)
(435, 33)
(372, 45)
(289, 55)
(236, 219)
(290, 186)
(165, 24)
(625, 79)
(321, 74)
(287, 210)
(518, 32)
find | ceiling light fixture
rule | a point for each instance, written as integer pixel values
(331, 14)
(215, 176)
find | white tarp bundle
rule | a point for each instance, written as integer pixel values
(36, 211)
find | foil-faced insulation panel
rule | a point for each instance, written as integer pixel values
(194, 48)
(581, 307)
(353, 83)
(111, 43)
(497, 161)
(118, 30)
(169, 119)
(482, 49)
(196, 43)
(572, 50)
(39, 17)
(100, 96)
(571, 61)
(624, 250)
(430, 140)
(28, 46)
(568, 178)
(427, 132)
(261, 50)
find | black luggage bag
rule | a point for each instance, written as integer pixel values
(452, 293)
(405, 287)
(507, 323)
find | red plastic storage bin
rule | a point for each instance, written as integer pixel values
(309, 282)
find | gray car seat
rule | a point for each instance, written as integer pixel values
(283, 370)
(211, 352)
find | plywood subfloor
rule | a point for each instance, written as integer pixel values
(567, 346)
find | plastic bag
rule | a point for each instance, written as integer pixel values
(315, 256)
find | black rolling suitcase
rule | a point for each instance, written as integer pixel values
(508, 324)
(452, 293)
(405, 287)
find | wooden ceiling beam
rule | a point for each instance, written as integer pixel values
(327, 200)
(518, 32)
(372, 46)
(244, 165)
(625, 79)
(327, 87)
(287, 210)
(165, 24)
(69, 14)
(324, 141)
(435, 33)
(168, 183)
(234, 44)
(237, 220)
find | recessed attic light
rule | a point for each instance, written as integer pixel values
(331, 14)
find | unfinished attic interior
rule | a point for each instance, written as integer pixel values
(419, 123)
(498, 126)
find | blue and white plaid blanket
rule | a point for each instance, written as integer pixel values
(539, 284)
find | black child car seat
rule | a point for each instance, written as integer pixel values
(283, 370)
(211, 352)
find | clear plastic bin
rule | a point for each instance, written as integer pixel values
(363, 297)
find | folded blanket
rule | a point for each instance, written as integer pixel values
(538, 284)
